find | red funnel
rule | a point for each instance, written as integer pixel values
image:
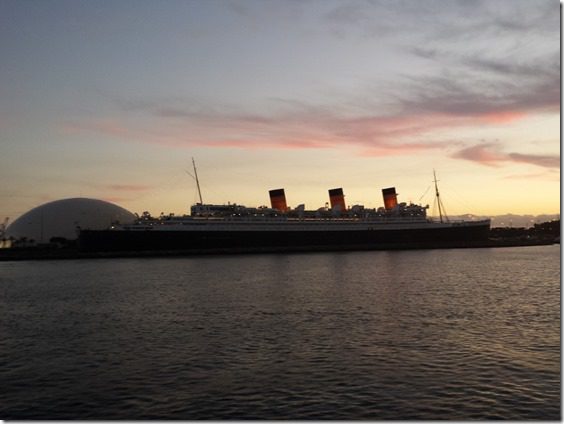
(278, 199)
(390, 197)
(337, 198)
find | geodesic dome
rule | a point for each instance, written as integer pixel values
(62, 217)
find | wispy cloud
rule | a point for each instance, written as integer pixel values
(547, 161)
(449, 21)
(490, 154)
(467, 94)
(485, 154)
(357, 17)
(119, 193)
(311, 128)
(518, 77)
(128, 187)
(109, 127)
(503, 117)
(405, 148)
(123, 131)
(466, 87)
(548, 174)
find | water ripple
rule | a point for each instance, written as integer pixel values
(464, 334)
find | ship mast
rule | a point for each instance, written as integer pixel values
(195, 176)
(439, 203)
(197, 181)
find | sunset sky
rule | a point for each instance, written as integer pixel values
(111, 99)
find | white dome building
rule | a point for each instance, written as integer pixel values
(62, 217)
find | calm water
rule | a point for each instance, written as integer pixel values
(442, 334)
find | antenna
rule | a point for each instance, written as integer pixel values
(195, 176)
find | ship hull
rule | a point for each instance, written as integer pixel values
(202, 241)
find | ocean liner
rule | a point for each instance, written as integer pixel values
(234, 228)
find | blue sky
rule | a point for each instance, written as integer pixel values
(111, 99)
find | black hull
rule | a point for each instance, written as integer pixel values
(272, 241)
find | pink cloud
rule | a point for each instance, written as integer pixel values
(489, 154)
(486, 154)
(280, 143)
(503, 117)
(370, 135)
(311, 128)
(403, 148)
(547, 161)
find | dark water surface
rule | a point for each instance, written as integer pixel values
(438, 334)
